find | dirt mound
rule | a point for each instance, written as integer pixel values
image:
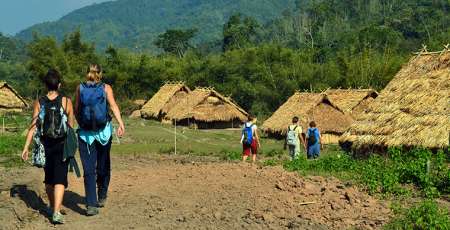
(181, 194)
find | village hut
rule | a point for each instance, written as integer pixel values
(205, 108)
(412, 111)
(352, 101)
(330, 120)
(165, 99)
(10, 100)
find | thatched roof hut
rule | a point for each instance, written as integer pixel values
(206, 108)
(330, 120)
(352, 101)
(166, 98)
(413, 110)
(10, 100)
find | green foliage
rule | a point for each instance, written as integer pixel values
(175, 42)
(425, 215)
(135, 24)
(270, 49)
(386, 175)
(239, 33)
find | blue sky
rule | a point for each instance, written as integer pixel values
(16, 15)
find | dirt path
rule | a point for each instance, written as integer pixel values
(177, 193)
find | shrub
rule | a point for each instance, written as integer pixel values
(386, 175)
(425, 215)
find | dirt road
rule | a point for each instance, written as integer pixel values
(191, 193)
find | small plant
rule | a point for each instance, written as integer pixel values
(425, 215)
(230, 155)
(271, 162)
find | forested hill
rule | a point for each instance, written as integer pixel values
(136, 23)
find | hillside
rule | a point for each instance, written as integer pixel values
(136, 23)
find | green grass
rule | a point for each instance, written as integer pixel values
(151, 137)
(10, 150)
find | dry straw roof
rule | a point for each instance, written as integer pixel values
(413, 109)
(349, 99)
(308, 106)
(207, 105)
(9, 98)
(155, 106)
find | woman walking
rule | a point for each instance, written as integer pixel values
(314, 141)
(92, 103)
(51, 113)
(250, 139)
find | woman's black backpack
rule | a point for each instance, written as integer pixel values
(52, 119)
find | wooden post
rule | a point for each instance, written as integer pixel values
(175, 149)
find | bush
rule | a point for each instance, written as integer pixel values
(386, 175)
(425, 215)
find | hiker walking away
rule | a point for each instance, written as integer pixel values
(92, 103)
(51, 115)
(293, 139)
(250, 139)
(314, 141)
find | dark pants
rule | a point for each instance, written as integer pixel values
(96, 162)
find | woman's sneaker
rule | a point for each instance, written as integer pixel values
(57, 218)
(91, 211)
(101, 202)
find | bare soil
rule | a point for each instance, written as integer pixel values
(164, 192)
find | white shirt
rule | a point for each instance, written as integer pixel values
(248, 124)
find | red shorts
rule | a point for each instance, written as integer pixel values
(253, 148)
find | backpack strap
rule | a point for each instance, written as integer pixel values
(73, 166)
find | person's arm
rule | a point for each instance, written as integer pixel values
(31, 130)
(320, 140)
(115, 109)
(302, 140)
(257, 137)
(76, 108)
(70, 113)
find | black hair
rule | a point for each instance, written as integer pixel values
(52, 80)
(295, 119)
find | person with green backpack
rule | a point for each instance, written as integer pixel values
(294, 136)
(314, 141)
(52, 119)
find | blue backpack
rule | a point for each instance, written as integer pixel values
(312, 137)
(93, 114)
(248, 134)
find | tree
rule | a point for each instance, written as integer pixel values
(175, 42)
(239, 33)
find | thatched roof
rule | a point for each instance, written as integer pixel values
(308, 107)
(9, 98)
(206, 105)
(413, 109)
(348, 99)
(164, 99)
